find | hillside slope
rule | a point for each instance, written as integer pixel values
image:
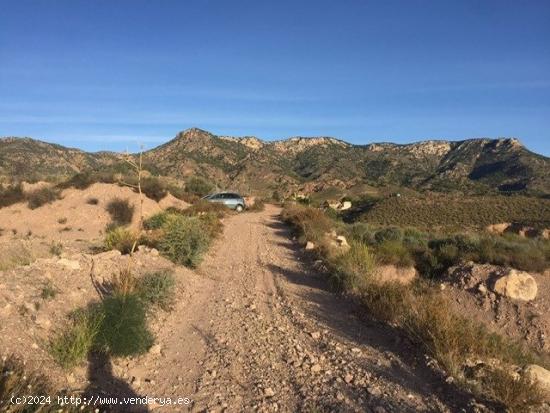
(307, 164)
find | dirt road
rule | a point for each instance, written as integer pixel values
(255, 330)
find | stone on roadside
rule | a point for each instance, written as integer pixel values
(517, 285)
(70, 264)
(538, 375)
(316, 368)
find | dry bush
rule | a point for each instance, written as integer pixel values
(257, 206)
(121, 211)
(311, 223)
(203, 207)
(123, 283)
(514, 393)
(11, 194)
(42, 196)
(153, 188)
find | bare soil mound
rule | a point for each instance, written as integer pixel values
(471, 288)
(78, 215)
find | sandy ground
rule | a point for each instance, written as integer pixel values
(73, 220)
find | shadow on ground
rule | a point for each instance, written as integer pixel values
(104, 388)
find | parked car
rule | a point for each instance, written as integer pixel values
(229, 199)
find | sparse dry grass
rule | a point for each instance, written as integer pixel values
(16, 256)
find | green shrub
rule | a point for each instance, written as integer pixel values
(395, 253)
(123, 330)
(157, 221)
(80, 180)
(198, 186)
(388, 234)
(362, 232)
(121, 211)
(120, 239)
(184, 241)
(157, 289)
(48, 291)
(72, 347)
(153, 188)
(42, 196)
(354, 268)
(413, 238)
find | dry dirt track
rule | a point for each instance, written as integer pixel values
(256, 331)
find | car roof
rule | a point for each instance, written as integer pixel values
(227, 192)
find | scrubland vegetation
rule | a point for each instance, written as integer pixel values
(117, 325)
(432, 254)
(421, 310)
(184, 236)
(455, 212)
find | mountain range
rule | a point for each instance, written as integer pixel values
(303, 164)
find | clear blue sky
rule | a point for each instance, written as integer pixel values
(106, 74)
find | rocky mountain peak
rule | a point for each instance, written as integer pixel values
(194, 134)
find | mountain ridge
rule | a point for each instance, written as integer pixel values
(306, 163)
